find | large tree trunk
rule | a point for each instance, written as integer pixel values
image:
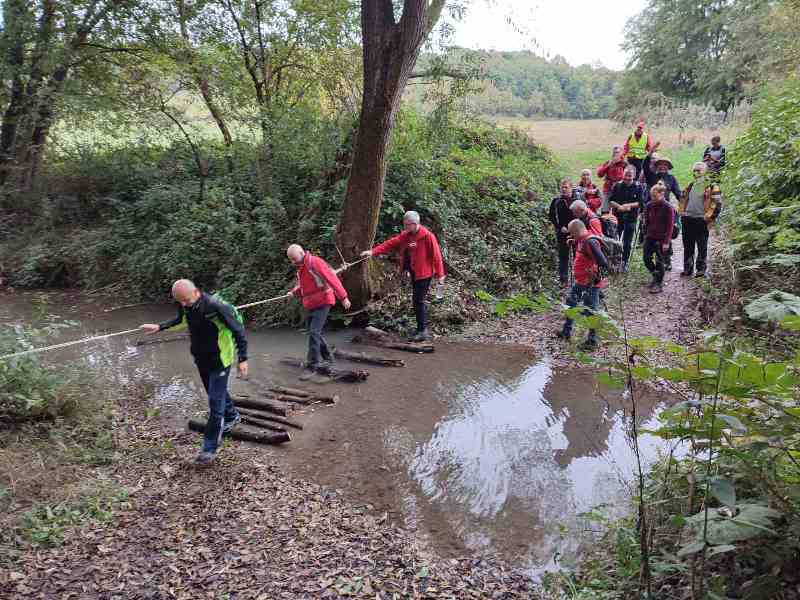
(390, 51)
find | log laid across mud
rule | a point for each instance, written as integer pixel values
(369, 359)
(247, 435)
(269, 417)
(378, 337)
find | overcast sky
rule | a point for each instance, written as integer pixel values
(582, 31)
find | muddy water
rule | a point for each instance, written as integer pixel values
(485, 449)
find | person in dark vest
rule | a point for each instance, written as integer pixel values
(638, 145)
(560, 215)
(318, 287)
(214, 330)
(589, 192)
(714, 157)
(587, 269)
(421, 257)
(659, 217)
(627, 199)
(700, 205)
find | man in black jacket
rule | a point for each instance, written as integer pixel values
(627, 199)
(560, 217)
(214, 328)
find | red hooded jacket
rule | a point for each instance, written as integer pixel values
(317, 284)
(423, 249)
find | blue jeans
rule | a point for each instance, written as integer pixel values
(220, 406)
(591, 300)
(317, 347)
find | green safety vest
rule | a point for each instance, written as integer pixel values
(637, 148)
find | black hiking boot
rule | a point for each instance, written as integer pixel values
(563, 335)
(588, 345)
(686, 273)
(700, 274)
(228, 426)
(422, 336)
(656, 288)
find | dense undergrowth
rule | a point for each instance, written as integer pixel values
(132, 217)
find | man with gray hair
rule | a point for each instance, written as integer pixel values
(699, 206)
(421, 257)
(318, 287)
(590, 220)
(214, 327)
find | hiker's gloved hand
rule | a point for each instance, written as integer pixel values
(243, 370)
(150, 328)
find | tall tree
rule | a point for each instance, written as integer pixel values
(390, 49)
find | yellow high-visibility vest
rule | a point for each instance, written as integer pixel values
(637, 148)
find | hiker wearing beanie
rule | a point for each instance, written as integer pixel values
(638, 145)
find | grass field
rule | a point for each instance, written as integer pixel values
(582, 144)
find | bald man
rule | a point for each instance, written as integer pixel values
(318, 287)
(214, 330)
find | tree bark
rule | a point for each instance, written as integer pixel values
(368, 359)
(262, 405)
(390, 51)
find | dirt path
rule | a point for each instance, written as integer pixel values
(678, 314)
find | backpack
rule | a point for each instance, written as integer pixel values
(236, 312)
(612, 250)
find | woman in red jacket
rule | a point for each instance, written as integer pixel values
(318, 287)
(612, 170)
(421, 256)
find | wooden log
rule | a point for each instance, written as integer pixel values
(247, 435)
(416, 347)
(279, 389)
(261, 405)
(263, 423)
(343, 375)
(370, 360)
(292, 395)
(270, 417)
(163, 340)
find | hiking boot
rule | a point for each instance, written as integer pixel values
(656, 288)
(422, 336)
(563, 335)
(668, 267)
(651, 285)
(205, 458)
(588, 345)
(700, 274)
(228, 426)
(686, 273)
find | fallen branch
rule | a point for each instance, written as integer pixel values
(269, 417)
(279, 389)
(300, 396)
(164, 340)
(343, 375)
(125, 306)
(370, 360)
(261, 405)
(259, 437)
(378, 337)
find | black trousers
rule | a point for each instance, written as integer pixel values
(563, 257)
(420, 291)
(637, 162)
(695, 234)
(654, 259)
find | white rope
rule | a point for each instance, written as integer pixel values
(93, 338)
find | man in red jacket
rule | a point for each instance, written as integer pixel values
(318, 287)
(590, 220)
(420, 256)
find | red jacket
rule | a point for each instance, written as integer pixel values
(591, 195)
(593, 223)
(317, 284)
(612, 173)
(587, 264)
(422, 248)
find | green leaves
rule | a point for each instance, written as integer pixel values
(773, 306)
(750, 520)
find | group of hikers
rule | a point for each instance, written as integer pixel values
(634, 206)
(587, 221)
(215, 327)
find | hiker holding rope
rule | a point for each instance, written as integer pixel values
(588, 267)
(421, 257)
(214, 327)
(318, 287)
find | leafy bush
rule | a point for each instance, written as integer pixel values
(483, 191)
(762, 183)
